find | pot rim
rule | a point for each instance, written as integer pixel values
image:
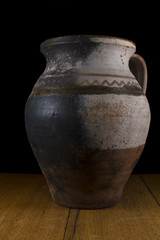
(94, 38)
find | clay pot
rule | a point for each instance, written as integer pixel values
(87, 118)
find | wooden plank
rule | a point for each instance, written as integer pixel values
(137, 216)
(153, 183)
(27, 210)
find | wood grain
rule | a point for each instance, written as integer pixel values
(137, 216)
(27, 212)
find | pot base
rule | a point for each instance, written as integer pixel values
(92, 180)
(84, 204)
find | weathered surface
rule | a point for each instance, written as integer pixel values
(87, 120)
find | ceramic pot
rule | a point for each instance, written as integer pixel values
(87, 118)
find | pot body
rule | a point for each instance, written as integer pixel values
(87, 119)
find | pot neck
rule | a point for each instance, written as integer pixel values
(87, 54)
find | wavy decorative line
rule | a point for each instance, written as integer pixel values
(106, 82)
(114, 82)
(94, 82)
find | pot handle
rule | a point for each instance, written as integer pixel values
(139, 69)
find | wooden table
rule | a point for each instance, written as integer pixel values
(27, 212)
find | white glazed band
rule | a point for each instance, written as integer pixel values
(116, 121)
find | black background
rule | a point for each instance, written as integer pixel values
(24, 27)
